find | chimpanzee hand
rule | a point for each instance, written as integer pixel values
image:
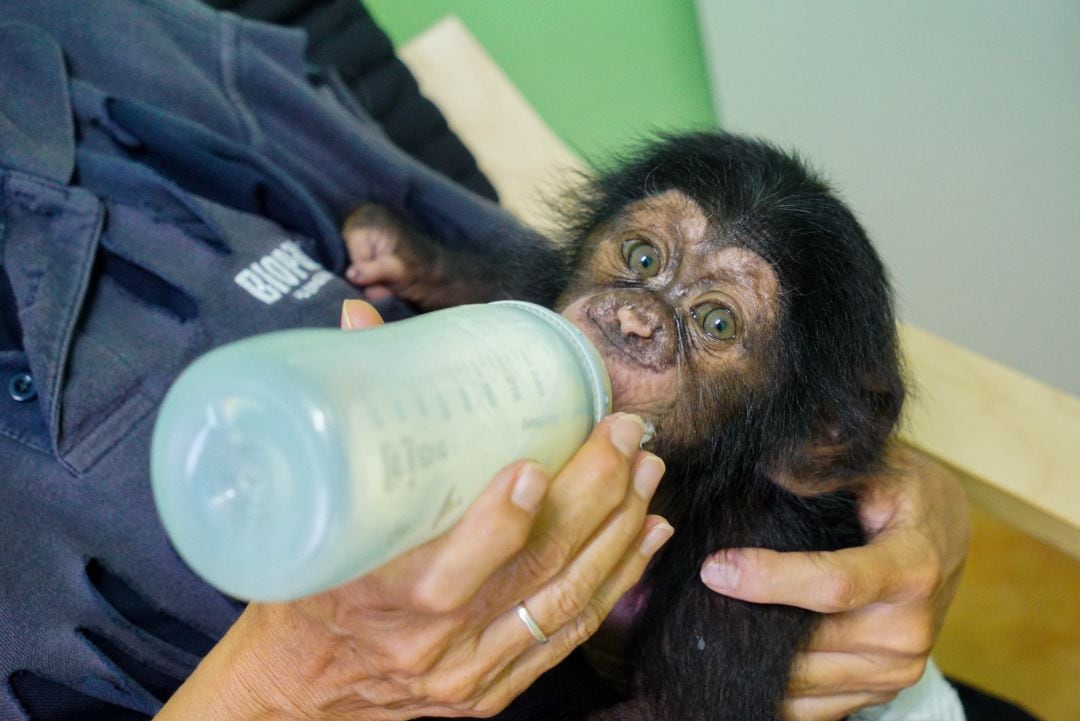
(435, 631)
(885, 601)
(388, 256)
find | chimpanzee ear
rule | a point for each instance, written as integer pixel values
(846, 443)
(814, 468)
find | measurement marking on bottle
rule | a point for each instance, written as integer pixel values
(538, 382)
(452, 501)
(510, 379)
(489, 394)
(539, 421)
(406, 459)
(444, 407)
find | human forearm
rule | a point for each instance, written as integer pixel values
(230, 682)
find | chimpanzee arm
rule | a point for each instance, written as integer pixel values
(389, 256)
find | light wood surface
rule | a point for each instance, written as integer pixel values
(1014, 626)
(1015, 441)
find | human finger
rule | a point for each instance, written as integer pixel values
(445, 573)
(821, 674)
(571, 596)
(895, 630)
(532, 658)
(382, 269)
(356, 314)
(507, 656)
(829, 708)
(579, 593)
(826, 582)
(592, 484)
(573, 603)
(921, 503)
(655, 533)
(361, 243)
(375, 293)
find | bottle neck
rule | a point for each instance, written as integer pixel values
(590, 362)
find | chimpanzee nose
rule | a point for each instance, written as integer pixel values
(632, 321)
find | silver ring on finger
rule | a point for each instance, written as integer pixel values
(531, 624)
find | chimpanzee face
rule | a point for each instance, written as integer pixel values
(681, 316)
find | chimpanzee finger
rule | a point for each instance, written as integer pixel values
(381, 270)
(375, 293)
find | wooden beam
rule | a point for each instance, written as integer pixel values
(525, 161)
(1014, 440)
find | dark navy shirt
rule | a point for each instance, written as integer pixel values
(170, 179)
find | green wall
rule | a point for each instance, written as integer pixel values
(600, 72)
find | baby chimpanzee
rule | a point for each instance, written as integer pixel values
(741, 309)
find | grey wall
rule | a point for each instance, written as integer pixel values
(953, 127)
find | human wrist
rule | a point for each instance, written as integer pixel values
(241, 679)
(932, 698)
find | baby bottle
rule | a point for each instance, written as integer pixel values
(288, 463)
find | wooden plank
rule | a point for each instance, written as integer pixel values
(519, 153)
(1014, 441)
(1014, 626)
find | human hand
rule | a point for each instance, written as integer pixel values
(435, 631)
(884, 602)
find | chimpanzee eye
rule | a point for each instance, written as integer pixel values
(641, 257)
(717, 321)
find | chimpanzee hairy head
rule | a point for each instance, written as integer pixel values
(742, 310)
(815, 389)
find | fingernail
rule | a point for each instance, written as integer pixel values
(720, 575)
(346, 322)
(529, 489)
(655, 539)
(626, 433)
(647, 476)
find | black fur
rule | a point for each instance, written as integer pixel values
(833, 398)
